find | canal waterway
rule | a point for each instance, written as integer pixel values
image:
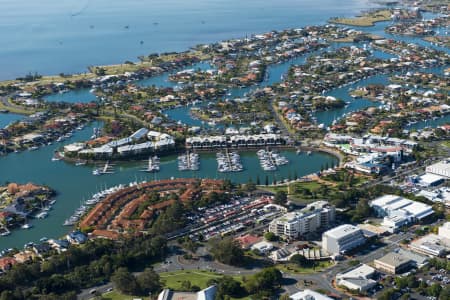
(8, 118)
(72, 96)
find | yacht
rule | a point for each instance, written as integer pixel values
(107, 169)
(80, 163)
(56, 157)
(26, 226)
(42, 215)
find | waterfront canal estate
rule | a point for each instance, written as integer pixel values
(216, 149)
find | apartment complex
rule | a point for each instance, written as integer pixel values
(315, 216)
(343, 238)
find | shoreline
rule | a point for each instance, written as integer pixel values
(132, 64)
(331, 152)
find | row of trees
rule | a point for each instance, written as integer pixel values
(145, 283)
(61, 276)
(260, 285)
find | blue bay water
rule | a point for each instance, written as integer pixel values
(50, 37)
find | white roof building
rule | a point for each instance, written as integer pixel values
(441, 168)
(444, 230)
(309, 295)
(342, 238)
(315, 216)
(140, 133)
(430, 179)
(393, 205)
(358, 278)
(262, 247)
(431, 244)
(75, 147)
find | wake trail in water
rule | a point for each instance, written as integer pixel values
(81, 10)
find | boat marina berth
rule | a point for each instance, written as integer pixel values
(270, 160)
(189, 162)
(229, 162)
(153, 164)
(106, 169)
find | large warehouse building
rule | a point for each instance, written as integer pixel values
(441, 168)
(398, 211)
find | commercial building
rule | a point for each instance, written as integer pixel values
(441, 195)
(398, 211)
(357, 279)
(431, 245)
(308, 295)
(369, 144)
(400, 261)
(207, 294)
(393, 263)
(343, 238)
(429, 180)
(441, 168)
(315, 216)
(444, 230)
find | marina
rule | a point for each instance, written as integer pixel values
(86, 205)
(61, 176)
(271, 160)
(189, 162)
(153, 164)
(229, 162)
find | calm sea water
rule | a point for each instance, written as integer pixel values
(8, 118)
(50, 37)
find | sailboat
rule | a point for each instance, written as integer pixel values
(107, 169)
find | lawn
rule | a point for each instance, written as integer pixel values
(173, 280)
(302, 191)
(446, 144)
(116, 295)
(295, 269)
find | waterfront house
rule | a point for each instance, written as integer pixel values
(6, 263)
(77, 237)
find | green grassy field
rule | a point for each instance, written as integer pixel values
(173, 280)
(115, 295)
(294, 269)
